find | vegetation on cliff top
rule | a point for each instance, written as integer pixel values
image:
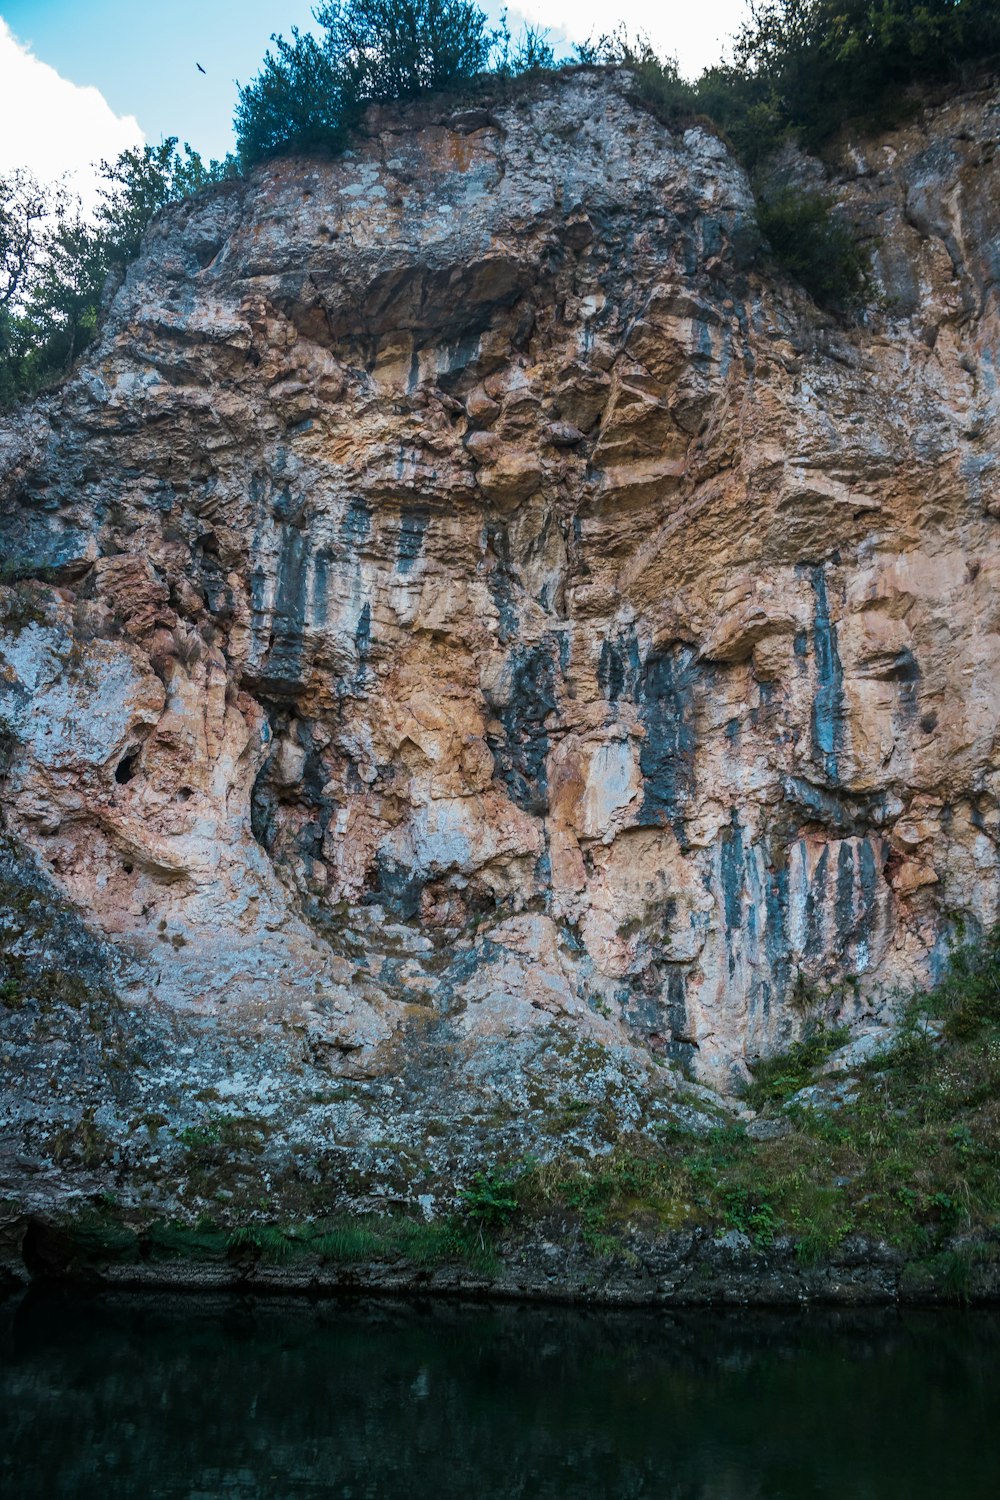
(800, 69)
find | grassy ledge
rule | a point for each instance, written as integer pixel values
(902, 1151)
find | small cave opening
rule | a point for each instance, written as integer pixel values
(125, 769)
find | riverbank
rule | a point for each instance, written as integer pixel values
(855, 1171)
(687, 1268)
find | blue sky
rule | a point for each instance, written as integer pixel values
(142, 56)
(141, 59)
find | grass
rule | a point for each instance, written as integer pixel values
(912, 1159)
(353, 1241)
(775, 1079)
(216, 1136)
(99, 1235)
(910, 1156)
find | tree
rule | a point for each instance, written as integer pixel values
(815, 64)
(27, 212)
(25, 207)
(54, 262)
(296, 102)
(139, 183)
(395, 49)
(310, 92)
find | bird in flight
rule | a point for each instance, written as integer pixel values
(199, 67)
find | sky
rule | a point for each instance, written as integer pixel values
(83, 79)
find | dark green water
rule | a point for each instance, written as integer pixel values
(156, 1398)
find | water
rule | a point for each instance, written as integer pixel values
(202, 1399)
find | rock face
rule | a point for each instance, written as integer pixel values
(463, 589)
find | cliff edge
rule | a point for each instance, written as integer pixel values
(477, 643)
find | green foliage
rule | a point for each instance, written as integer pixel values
(141, 182)
(811, 65)
(10, 994)
(26, 214)
(347, 1242)
(219, 1136)
(54, 263)
(197, 1137)
(751, 1213)
(625, 1186)
(173, 1241)
(969, 997)
(776, 1078)
(800, 69)
(311, 92)
(490, 1199)
(396, 49)
(804, 68)
(340, 1241)
(529, 52)
(809, 242)
(296, 102)
(913, 1157)
(97, 1234)
(262, 1242)
(658, 83)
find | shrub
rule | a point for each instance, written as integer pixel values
(803, 68)
(529, 53)
(776, 1078)
(295, 103)
(809, 242)
(395, 49)
(814, 64)
(969, 997)
(490, 1199)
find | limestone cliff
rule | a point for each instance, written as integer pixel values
(465, 609)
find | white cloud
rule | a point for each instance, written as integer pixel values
(696, 32)
(53, 127)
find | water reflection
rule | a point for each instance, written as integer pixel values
(203, 1399)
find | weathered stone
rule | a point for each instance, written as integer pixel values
(480, 546)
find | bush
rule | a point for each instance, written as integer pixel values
(490, 1199)
(658, 83)
(777, 1077)
(396, 49)
(529, 53)
(811, 244)
(804, 68)
(295, 103)
(811, 65)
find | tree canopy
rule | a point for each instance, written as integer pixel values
(311, 91)
(54, 262)
(799, 69)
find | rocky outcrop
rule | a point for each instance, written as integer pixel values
(465, 595)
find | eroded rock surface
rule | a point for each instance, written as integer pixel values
(463, 592)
